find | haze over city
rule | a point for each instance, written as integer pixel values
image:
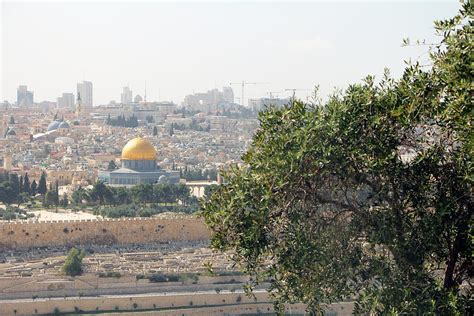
(181, 48)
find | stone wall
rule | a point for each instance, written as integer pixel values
(26, 234)
(170, 304)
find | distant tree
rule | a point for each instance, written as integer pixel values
(23, 197)
(150, 119)
(20, 182)
(155, 131)
(122, 196)
(112, 165)
(7, 194)
(26, 184)
(15, 183)
(182, 193)
(73, 264)
(49, 198)
(142, 193)
(64, 202)
(42, 188)
(34, 188)
(79, 195)
(56, 193)
(100, 193)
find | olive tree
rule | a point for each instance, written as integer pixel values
(367, 197)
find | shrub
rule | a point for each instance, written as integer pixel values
(73, 264)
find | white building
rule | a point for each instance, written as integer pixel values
(126, 96)
(85, 90)
(66, 101)
(209, 101)
(228, 94)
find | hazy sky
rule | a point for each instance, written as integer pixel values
(180, 48)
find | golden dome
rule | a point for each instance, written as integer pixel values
(138, 149)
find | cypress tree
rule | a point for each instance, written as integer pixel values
(33, 188)
(20, 184)
(26, 184)
(42, 189)
(15, 183)
(56, 196)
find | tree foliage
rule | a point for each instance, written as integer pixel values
(121, 121)
(112, 165)
(14, 188)
(141, 200)
(42, 188)
(367, 196)
(73, 264)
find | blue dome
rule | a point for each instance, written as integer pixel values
(64, 125)
(53, 125)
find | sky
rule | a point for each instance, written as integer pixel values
(177, 48)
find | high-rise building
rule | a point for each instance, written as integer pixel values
(66, 101)
(126, 97)
(85, 90)
(228, 94)
(23, 96)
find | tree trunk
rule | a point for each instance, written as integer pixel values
(451, 264)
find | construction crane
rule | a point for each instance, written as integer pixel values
(243, 84)
(294, 91)
(272, 94)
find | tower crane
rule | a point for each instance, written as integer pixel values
(243, 84)
(272, 94)
(294, 91)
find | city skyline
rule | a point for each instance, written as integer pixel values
(308, 44)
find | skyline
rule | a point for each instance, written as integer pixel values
(287, 45)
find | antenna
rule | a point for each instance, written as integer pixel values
(145, 91)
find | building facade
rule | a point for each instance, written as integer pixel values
(66, 101)
(209, 101)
